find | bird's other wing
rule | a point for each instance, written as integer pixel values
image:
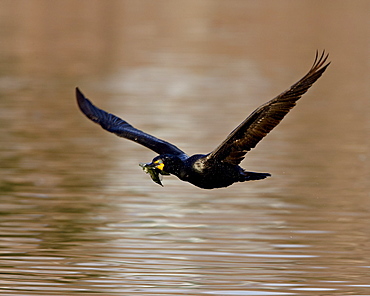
(123, 129)
(257, 125)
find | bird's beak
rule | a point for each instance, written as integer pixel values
(158, 164)
(153, 170)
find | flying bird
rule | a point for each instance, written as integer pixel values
(219, 168)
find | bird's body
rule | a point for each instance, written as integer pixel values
(197, 171)
(220, 168)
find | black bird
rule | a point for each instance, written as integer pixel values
(220, 168)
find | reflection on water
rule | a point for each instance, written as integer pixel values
(79, 216)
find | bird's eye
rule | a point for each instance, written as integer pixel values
(159, 161)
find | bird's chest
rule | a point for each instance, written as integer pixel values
(193, 171)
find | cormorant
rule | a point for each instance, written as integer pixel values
(219, 168)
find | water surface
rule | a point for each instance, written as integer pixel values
(80, 217)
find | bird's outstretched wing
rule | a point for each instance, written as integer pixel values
(121, 128)
(257, 125)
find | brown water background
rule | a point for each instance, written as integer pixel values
(78, 216)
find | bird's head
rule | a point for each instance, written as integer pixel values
(162, 165)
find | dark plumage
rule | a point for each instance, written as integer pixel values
(220, 168)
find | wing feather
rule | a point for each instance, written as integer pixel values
(257, 125)
(121, 128)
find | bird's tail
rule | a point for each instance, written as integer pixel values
(250, 176)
